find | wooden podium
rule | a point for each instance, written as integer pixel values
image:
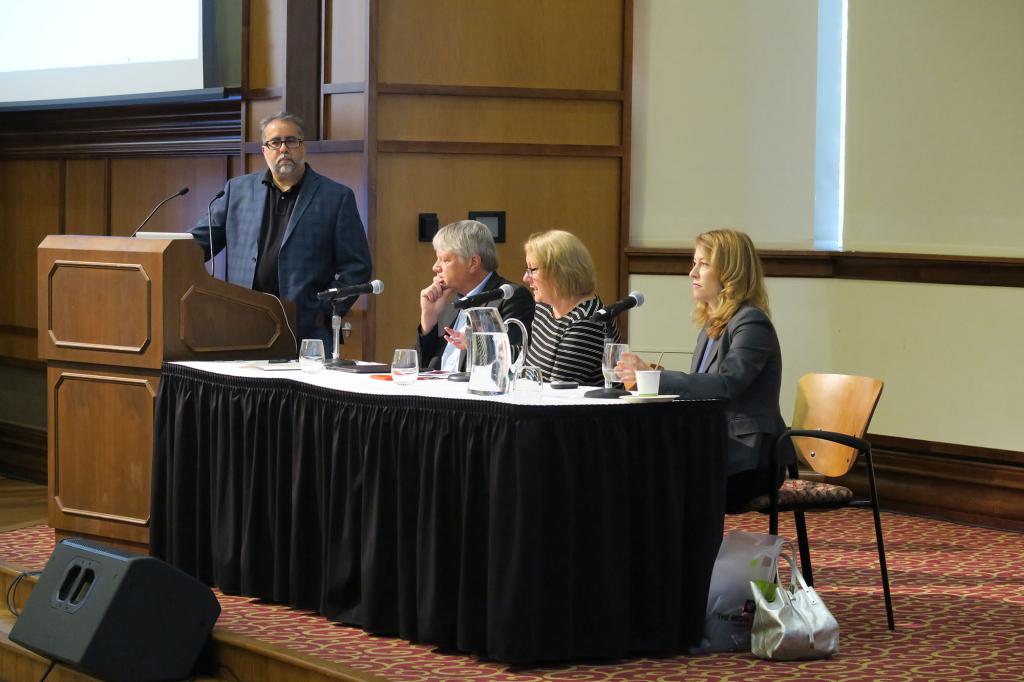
(111, 310)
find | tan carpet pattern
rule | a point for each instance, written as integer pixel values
(958, 595)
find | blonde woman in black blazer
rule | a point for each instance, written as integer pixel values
(737, 358)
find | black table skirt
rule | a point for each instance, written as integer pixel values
(517, 533)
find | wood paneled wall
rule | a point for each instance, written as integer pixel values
(442, 107)
(100, 171)
(508, 106)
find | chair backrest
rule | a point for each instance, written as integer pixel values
(833, 402)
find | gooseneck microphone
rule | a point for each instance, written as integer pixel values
(504, 292)
(181, 192)
(374, 287)
(213, 257)
(634, 300)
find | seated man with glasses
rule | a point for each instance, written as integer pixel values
(467, 264)
(289, 231)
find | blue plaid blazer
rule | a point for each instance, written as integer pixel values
(324, 244)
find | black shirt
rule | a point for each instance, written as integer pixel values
(276, 215)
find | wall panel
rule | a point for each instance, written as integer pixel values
(537, 193)
(257, 111)
(137, 185)
(499, 119)
(266, 42)
(346, 41)
(30, 210)
(554, 44)
(86, 196)
(345, 116)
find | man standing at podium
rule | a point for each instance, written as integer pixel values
(289, 231)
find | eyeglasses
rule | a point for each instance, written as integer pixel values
(530, 272)
(275, 143)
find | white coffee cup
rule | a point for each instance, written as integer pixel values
(647, 381)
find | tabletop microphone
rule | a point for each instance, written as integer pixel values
(209, 218)
(634, 300)
(504, 292)
(181, 192)
(374, 287)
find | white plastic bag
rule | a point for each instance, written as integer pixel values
(743, 557)
(795, 624)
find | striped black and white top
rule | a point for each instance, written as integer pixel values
(569, 348)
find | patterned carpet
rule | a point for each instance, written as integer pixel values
(958, 596)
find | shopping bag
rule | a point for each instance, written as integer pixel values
(743, 557)
(795, 623)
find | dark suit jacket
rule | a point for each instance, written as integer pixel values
(431, 344)
(745, 368)
(324, 244)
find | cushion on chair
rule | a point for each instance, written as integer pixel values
(801, 494)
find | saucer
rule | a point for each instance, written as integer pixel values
(648, 398)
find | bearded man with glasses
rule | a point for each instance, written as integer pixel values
(289, 231)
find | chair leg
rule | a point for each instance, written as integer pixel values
(880, 543)
(805, 548)
(773, 522)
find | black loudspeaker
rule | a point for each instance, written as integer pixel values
(116, 615)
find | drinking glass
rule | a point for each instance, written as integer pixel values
(311, 355)
(529, 382)
(612, 353)
(405, 366)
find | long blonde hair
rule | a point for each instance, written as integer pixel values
(735, 262)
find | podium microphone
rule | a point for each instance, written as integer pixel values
(374, 287)
(209, 224)
(634, 300)
(504, 292)
(181, 192)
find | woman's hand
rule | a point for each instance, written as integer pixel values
(627, 366)
(457, 339)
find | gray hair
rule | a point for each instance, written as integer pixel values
(283, 116)
(468, 238)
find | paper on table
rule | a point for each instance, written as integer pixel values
(273, 366)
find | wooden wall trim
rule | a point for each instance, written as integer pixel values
(942, 480)
(23, 452)
(249, 94)
(500, 91)
(344, 88)
(951, 451)
(370, 168)
(316, 147)
(883, 267)
(302, 63)
(22, 363)
(16, 329)
(210, 128)
(625, 170)
(498, 148)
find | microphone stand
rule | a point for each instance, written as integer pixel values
(336, 359)
(610, 392)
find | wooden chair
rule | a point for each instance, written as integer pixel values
(830, 419)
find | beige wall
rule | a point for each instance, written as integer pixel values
(948, 354)
(935, 132)
(718, 137)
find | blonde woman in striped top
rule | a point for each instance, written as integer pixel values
(566, 343)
